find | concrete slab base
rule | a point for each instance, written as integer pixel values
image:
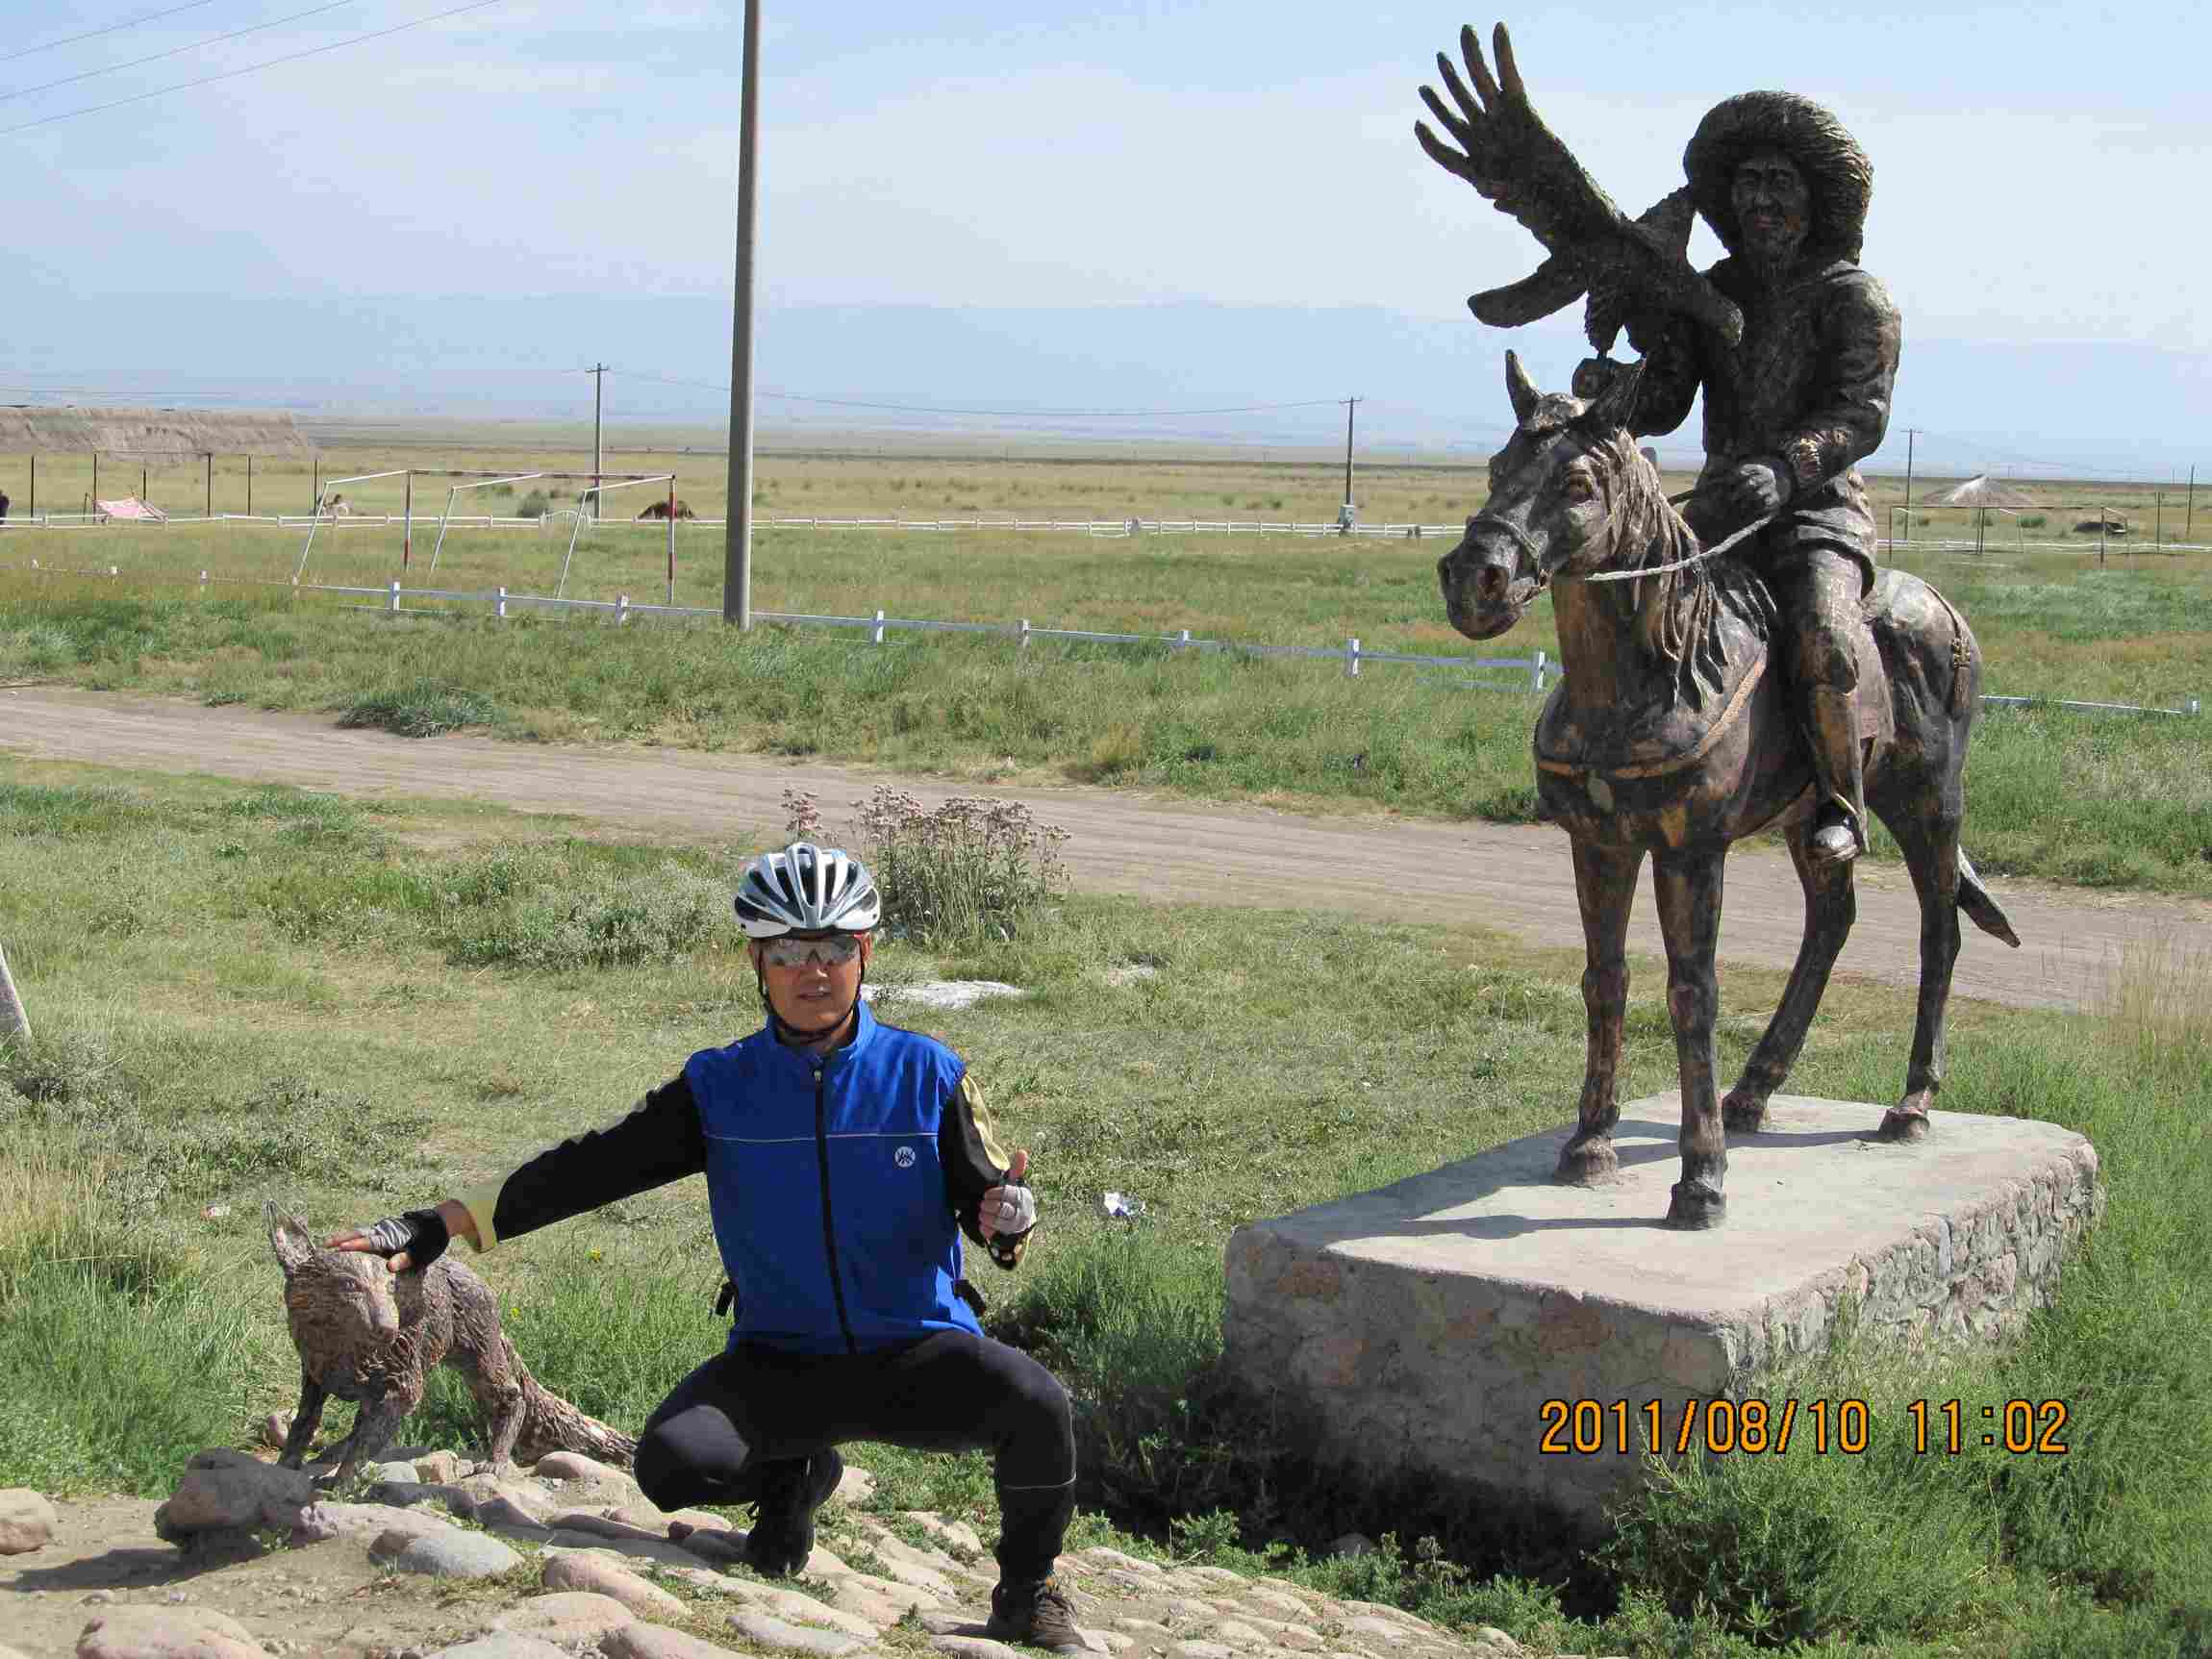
(1424, 1327)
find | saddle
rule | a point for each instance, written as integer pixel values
(1674, 735)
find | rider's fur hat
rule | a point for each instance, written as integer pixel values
(1840, 177)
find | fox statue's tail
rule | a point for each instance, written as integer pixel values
(550, 1423)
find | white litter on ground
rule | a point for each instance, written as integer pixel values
(942, 992)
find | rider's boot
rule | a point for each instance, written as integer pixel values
(1832, 729)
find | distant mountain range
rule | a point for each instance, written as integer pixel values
(1255, 375)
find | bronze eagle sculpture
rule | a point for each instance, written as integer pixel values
(1628, 268)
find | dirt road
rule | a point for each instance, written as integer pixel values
(1515, 879)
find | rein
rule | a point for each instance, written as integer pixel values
(1698, 558)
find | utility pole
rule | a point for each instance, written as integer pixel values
(2188, 517)
(1911, 433)
(1345, 518)
(738, 548)
(598, 373)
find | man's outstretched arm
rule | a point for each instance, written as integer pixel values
(659, 1142)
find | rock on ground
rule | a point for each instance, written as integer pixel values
(223, 1489)
(764, 1631)
(457, 1554)
(502, 1647)
(603, 1578)
(659, 1642)
(567, 1619)
(165, 1633)
(26, 1520)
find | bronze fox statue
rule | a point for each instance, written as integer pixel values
(371, 1336)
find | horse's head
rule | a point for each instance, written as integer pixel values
(1554, 490)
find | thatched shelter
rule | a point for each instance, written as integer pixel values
(1982, 492)
(149, 433)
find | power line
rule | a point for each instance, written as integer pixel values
(94, 33)
(172, 52)
(1029, 414)
(251, 68)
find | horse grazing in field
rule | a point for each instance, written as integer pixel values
(660, 510)
(1670, 734)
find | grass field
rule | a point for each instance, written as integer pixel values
(917, 477)
(255, 994)
(2116, 801)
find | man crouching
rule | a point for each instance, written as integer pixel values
(843, 1158)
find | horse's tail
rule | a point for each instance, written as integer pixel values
(1980, 909)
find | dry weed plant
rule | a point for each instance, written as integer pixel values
(968, 873)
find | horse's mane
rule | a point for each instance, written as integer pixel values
(1678, 612)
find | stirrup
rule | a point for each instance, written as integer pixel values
(1835, 839)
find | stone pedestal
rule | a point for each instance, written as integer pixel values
(1420, 1328)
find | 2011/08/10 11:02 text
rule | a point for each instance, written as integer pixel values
(1588, 1428)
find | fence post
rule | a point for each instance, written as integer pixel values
(877, 637)
(621, 608)
(1025, 634)
(203, 584)
(499, 605)
(1536, 674)
(394, 605)
(1183, 638)
(113, 571)
(1352, 657)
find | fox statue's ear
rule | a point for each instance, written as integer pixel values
(288, 1238)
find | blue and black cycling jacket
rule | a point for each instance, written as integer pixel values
(839, 1184)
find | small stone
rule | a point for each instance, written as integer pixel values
(504, 1512)
(566, 1618)
(1117, 1642)
(1279, 1602)
(276, 1429)
(764, 1631)
(1383, 1630)
(899, 1596)
(1492, 1642)
(320, 1521)
(1144, 1627)
(458, 1555)
(696, 1520)
(226, 1489)
(855, 1487)
(27, 1521)
(404, 1473)
(166, 1633)
(575, 1466)
(439, 1468)
(645, 1599)
(659, 1642)
(1235, 1633)
(974, 1647)
(1106, 1557)
(1201, 1650)
(501, 1645)
(953, 1534)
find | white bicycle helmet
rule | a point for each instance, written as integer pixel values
(807, 889)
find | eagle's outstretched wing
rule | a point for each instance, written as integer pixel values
(1515, 162)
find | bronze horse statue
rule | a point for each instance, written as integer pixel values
(1671, 735)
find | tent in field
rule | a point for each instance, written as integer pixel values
(131, 507)
(1979, 491)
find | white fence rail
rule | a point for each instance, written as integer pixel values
(1111, 528)
(1537, 669)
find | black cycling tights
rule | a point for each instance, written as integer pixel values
(710, 1440)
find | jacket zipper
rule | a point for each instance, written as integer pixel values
(829, 1228)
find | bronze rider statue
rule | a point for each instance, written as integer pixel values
(1791, 406)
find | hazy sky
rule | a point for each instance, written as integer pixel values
(2041, 172)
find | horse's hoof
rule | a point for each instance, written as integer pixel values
(1903, 1126)
(1587, 1164)
(1695, 1207)
(1746, 1116)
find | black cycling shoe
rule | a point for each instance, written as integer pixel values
(783, 1532)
